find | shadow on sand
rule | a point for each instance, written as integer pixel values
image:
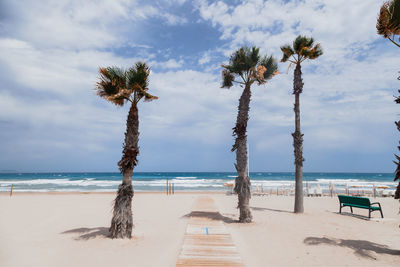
(362, 217)
(210, 215)
(361, 247)
(266, 209)
(89, 233)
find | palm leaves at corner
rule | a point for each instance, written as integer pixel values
(121, 86)
(388, 22)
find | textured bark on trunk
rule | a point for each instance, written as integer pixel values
(397, 172)
(122, 222)
(298, 141)
(242, 182)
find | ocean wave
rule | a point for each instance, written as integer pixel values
(102, 184)
(62, 182)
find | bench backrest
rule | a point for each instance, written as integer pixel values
(362, 201)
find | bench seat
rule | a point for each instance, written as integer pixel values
(359, 202)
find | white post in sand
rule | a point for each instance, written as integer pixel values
(374, 190)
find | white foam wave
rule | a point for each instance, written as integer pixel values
(180, 183)
(186, 177)
(61, 182)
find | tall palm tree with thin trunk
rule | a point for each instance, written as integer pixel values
(248, 66)
(388, 25)
(121, 86)
(303, 48)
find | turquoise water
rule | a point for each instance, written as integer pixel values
(183, 181)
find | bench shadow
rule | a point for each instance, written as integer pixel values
(216, 216)
(358, 216)
(361, 247)
(267, 209)
(89, 233)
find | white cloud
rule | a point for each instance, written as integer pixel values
(74, 24)
(59, 71)
(173, 19)
(169, 64)
(273, 23)
(206, 58)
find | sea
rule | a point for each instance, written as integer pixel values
(185, 181)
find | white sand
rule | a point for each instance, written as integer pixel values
(33, 226)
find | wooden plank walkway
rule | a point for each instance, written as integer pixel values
(207, 241)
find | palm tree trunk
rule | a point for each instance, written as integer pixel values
(298, 141)
(242, 182)
(122, 222)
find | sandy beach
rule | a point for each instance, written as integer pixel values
(70, 229)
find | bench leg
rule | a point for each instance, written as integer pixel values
(340, 210)
(381, 212)
(369, 214)
(351, 208)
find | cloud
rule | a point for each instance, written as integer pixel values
(81, 25)
(206, 58)
(169, 64)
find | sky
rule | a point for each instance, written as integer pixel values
(52, 120)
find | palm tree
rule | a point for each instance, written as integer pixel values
(250, 67)
(303, 48)
(388, 23)
(121, 86)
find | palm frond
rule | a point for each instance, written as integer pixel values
(120, 98)
(142, 93)
(300, 42)
(395, 13)
(388, 22)
(117, 85)
(112, 85)
(304, 52)
(247, 64)
(383, 21)
(309, 43)
(138, 75)
(316, 51)
(287, 51)
(227, 79)
(271, 67)
(243, 60)
(148, 97)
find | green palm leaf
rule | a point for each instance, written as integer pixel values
(303, 48)
(245, 63)
(120, 86)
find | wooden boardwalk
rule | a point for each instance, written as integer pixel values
(207, 241)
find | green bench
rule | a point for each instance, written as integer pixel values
(358, 202)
